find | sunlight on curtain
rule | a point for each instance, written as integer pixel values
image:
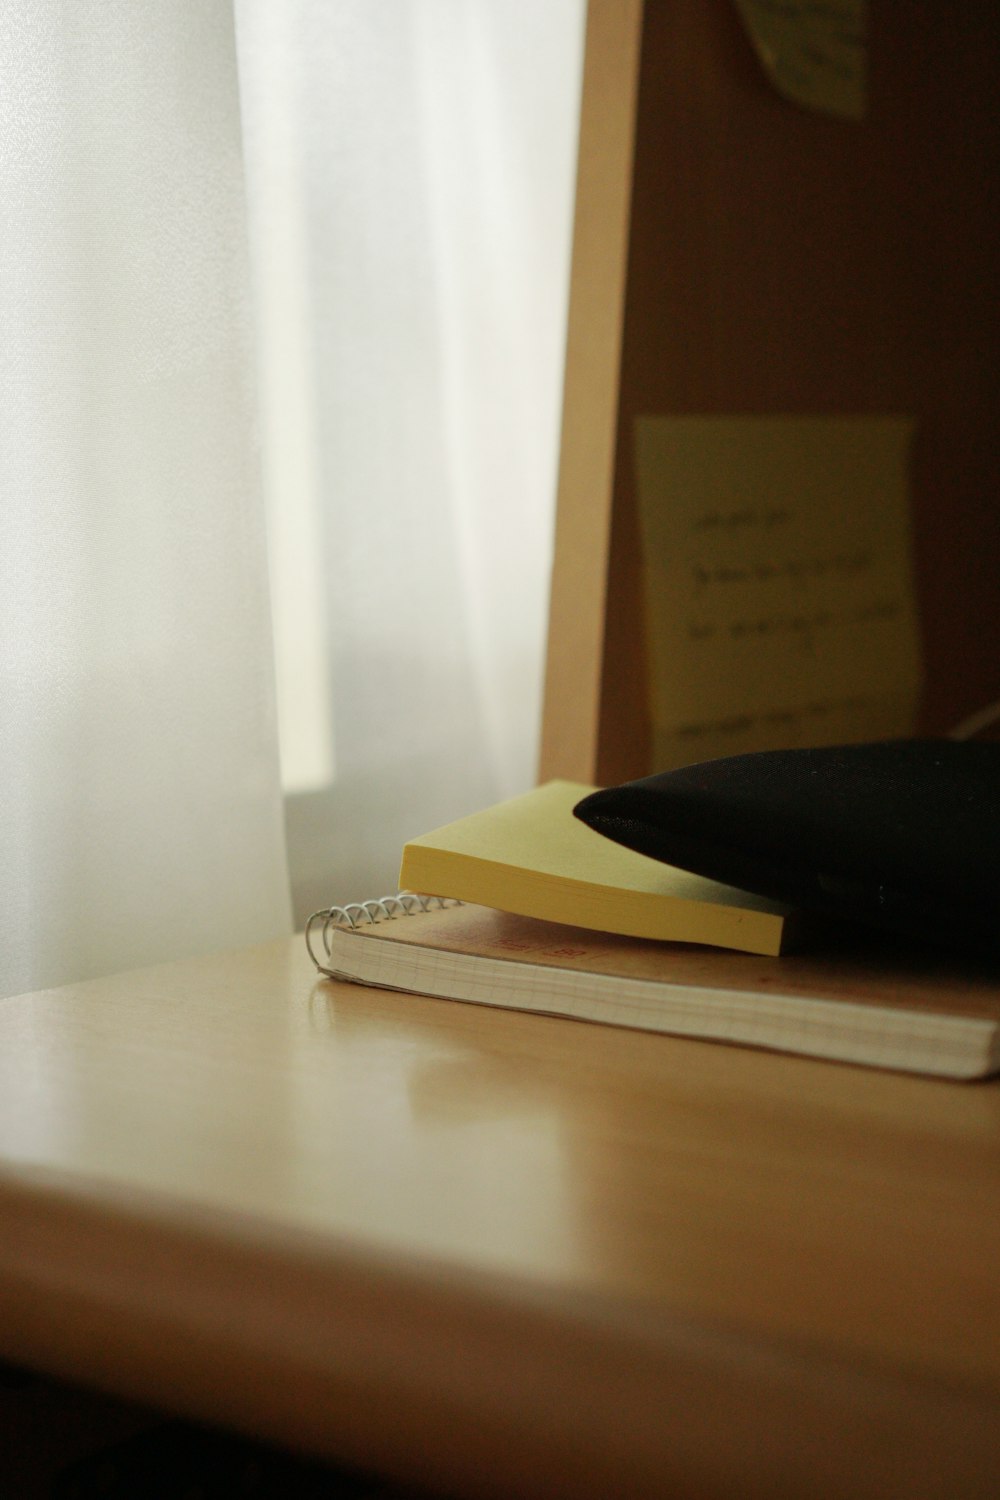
(140, 816)
(410, 168)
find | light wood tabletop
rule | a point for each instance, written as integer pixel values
(500, 1254)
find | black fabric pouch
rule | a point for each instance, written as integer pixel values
(902, 835)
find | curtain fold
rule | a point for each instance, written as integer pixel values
(410, 175)
(140, 815)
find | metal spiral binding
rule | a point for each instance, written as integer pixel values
(365, 914)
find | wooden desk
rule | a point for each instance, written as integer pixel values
(499, 1254)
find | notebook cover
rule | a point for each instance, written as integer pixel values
(859, 1002)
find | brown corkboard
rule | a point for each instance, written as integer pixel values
(737, 254)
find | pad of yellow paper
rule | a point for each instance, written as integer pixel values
(531, 856)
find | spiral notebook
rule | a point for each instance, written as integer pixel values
(870, 1005)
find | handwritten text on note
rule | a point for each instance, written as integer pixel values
(778, 588)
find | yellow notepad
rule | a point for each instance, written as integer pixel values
(532, 857)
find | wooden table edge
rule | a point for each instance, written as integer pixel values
(472, 1383)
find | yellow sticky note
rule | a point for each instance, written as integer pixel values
(532, 857)
(814, 55)
(779, 592)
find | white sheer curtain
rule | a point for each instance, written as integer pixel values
(410, 168)
(140, 811)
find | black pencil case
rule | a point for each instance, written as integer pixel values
(903, 835)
